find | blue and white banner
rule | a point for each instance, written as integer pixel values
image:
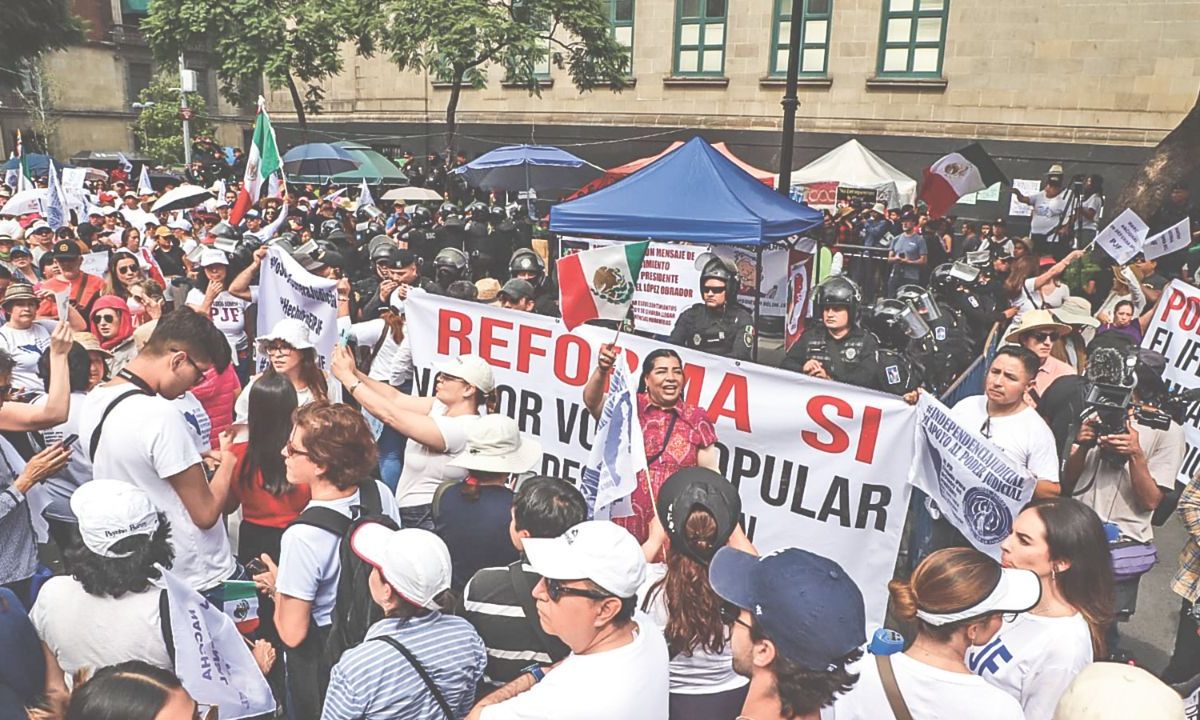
(211, 658)
(976, 486)
(56, 214)
(618, 452)
(287, 290)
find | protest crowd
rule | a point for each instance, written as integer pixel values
(333, 530)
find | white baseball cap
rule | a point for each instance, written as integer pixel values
(208, 258)
(471, 368)
(180, 224)
(596, 550)
(415, 562)
(1115, 691)
(110, 511)
(495, 444)
(291, 331)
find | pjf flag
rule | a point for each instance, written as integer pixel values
(618, 453)
(1176, 237)
(599, 284)
(960, 173)
(262, 160)
(211, 658)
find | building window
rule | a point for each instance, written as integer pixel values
(620, 14)
(912, 38)
(541, 68)
(700, 37)
(138, 78)
(814, 38)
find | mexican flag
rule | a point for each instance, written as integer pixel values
(261, 162)
(960, 173)
(599, 284)
(241, 604)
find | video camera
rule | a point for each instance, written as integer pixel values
(1113, 377)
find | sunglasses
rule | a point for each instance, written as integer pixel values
(127, 269)
(556, 590)
(732, 614)
(713, 289)
(1042, 337)
(106, 319)
(277, 347)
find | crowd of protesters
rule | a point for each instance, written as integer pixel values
(409, 562)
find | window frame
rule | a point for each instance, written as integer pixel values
(614, 24)
(912, 45)
(781, 43)
(702, 21)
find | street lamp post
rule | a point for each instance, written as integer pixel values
(185, 114)
(790, 100)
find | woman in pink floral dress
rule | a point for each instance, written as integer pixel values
(676, 434)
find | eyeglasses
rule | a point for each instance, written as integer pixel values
(555, 589)
(290, 450)
(1043, 337)
(277, 347)
(732, 614)
(713, 289)
(199, 370)
(105, 318)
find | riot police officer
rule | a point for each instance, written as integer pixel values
(898, 328)
(717, 324)
(957, 286)
(835, 347)
(529, 266)
(449, 265)
(451, 232)
(946, 350)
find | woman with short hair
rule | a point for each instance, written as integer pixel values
(954, 600)
(1035, 656)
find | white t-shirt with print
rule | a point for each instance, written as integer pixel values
(702, 672)
(1023, 436)
(930, 693)
(425, 469)
(88, 632)
(628, 682)
(1034, 659)
(228, 313)
(197, 420)
(241, 406)
(1047, 211)
(146, 440)
(308, 556)
(26, 348)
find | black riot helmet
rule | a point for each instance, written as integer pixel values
(497, 215)
(895, 323)
(477, 211)
(838, 291)
(449, 265)
(448, 211)
(713, 267)
(420, 217)
(224, 231)
(385, 253)
(949, 277)
(327, 227)
(921, 300)
(526, 260)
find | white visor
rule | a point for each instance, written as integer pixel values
(1017, 591)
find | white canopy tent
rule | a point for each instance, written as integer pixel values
(852, 166)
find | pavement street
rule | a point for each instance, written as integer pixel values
(1150, 634)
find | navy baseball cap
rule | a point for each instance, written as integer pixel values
(806, 604)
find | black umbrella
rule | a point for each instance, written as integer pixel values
(318, 159)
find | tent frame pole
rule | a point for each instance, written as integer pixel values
(758, 268)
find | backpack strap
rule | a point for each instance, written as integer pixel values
(328, 519)
(429, 683)
(436, 508)
(891, 689)
(164, 621)
(95, 441)
(369, 498)
(524, 593)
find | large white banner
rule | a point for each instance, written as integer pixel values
(976, 486)
(287, 290)
(1175, 332)
(819, 465)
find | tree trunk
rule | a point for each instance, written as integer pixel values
(298, 103)
(1174, 160)
(451, 113)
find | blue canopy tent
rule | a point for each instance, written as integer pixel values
(693, 194)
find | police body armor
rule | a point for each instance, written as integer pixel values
(899, 374)
(728, 332)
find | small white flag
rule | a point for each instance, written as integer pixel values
(211, 659)
(1123, 237)
(124, 163)
(144, 186)
(364, 196)
(1176, 237)
(618, 452)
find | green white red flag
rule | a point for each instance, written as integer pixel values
(261, 162)
(599, 284)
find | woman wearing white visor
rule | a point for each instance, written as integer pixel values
(956, 598)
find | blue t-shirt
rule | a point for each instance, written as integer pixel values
(475, 531)
(910, 247)
(22, 665)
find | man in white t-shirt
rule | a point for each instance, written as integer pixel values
(587, 597)
(800, 622)
(140, 437)
(1049, 206)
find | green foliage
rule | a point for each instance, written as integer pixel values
(33, 27)
(159, 129)
(281, 39)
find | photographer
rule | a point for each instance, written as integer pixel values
(1122, 474)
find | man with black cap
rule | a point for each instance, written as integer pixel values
(1177, 207)
(717, 324)
(82, 289)
(798, 621)
(907, 254)
(516, 294)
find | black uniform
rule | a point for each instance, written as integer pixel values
(898, 374)
(852, 360)
(545, 299)
(946, 352)
(728, 332)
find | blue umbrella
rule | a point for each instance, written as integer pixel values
(318, 159)
(529, 167)
(38, 164)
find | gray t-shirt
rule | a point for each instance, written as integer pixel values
(910, 247)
